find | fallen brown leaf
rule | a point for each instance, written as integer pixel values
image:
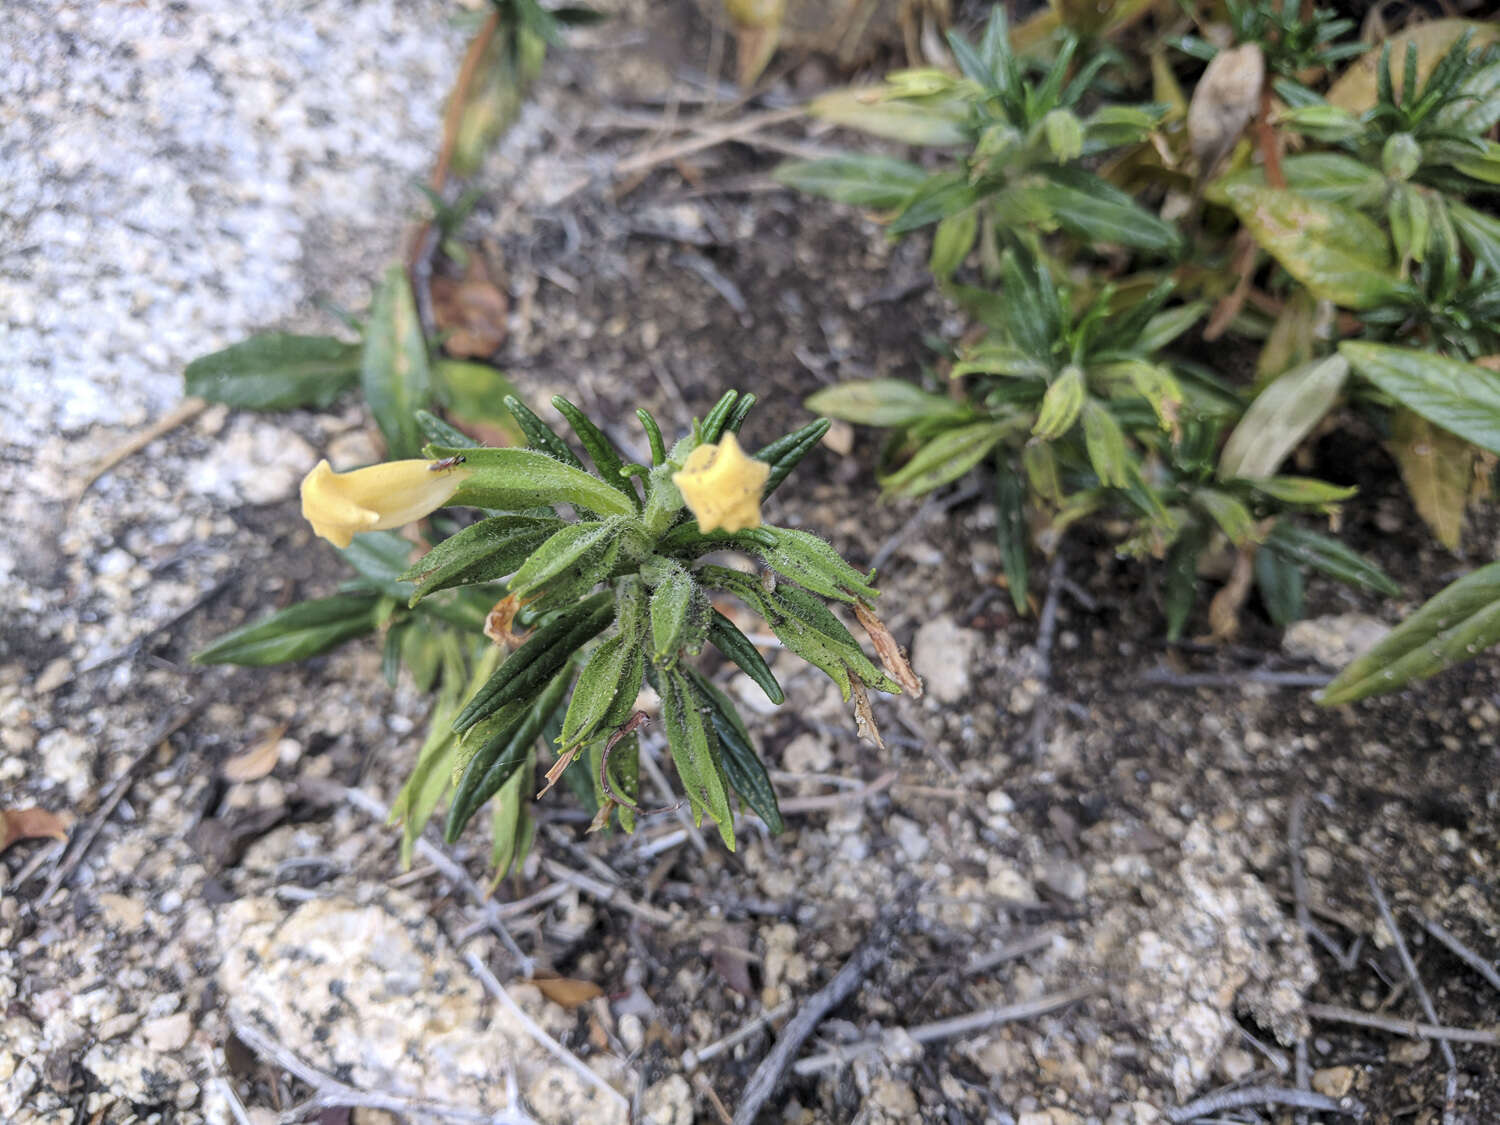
(30, 824)
(472, 312)
(566, 991)
(892, 659)
(257, 761)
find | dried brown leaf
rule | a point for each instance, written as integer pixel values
(30, 824)
(864, 717)
(497, 625)
(472, 312)
(566, 991)
(256, 762)
(892, 657)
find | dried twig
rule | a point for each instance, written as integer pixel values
(493, 986)
(1263, 1095)
(330, 1093)
(947, 1029)
(1012, 951)
(610, 896)
(762, 1020)
(1412, 1029)
(1450, 1097)
(934, 505)
(706, 138)
(871, 952)
(85, 840)
(184, 411)
(839, 800)
(454, 872)
(1461, 951)
(1302, 914)
(1164, 677)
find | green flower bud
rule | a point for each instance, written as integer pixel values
(1401, 156)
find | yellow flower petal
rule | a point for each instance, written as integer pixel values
(721, 486)
(341, 505)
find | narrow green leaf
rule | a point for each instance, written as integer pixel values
(737, 647)
(482, 552)
(810, 562)
(1182, 578)
(1091, 209)
(863, 181)
(1061, 405)
(952, 241)
(276, 371)
(883, 402)
(394, 368)
(1012, 533)
(1233, 518)
(1279, 581)
(1456, 625)
(695, 751)
(948, 456)
(520, 479)
(566, 553)
(672, 604)
(295, 633)
(743, 769)
(1106, 446)
(1328, 556)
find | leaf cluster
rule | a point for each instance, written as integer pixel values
(1349, 238)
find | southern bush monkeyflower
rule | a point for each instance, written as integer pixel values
(722, 487)
(341, 505)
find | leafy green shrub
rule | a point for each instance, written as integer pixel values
(1073, 391)
(615, 598)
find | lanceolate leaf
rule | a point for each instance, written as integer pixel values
(949, 456)
(864, 181)
(481, 552)
(1011, 531)
(743, 769)
(917, 123)
(1456, 625)
(1328, 556)
(1280, 417)
(1336, 252)
(1279, 581)
(883, 402)
(276, 371)
(1462, 398)
(297, 632)
(518, 479)
(1438, 469)
(1091, 209)
(394, 367)
(695, 751)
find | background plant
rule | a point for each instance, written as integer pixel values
(1340, 230)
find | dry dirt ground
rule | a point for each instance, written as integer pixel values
(1075, 820)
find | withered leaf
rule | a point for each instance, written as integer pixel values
(567, 992)
(256, 762)
(864, 716)
(30, 824)
(892, 658)
(497, 624)
(470, 312)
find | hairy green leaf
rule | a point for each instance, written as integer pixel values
(276, 371)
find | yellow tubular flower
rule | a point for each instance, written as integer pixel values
(721, 486)
(341, 505)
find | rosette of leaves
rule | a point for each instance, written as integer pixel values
(1027, 145)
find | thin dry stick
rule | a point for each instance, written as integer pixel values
(1302, 914)
(1450, 1093)
(1412, 1029)
(454, 872)
(839, 800)
(1031, 943)
(949, 1029)
(1263, 1095)
(493, 986)
(184, 411)
(1462, 951)
(86, 839)
(692, 1059)
(871, 952)
(610, 896)
(330, 1093)
(706, 138)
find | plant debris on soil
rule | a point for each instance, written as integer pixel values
(1106, 878)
